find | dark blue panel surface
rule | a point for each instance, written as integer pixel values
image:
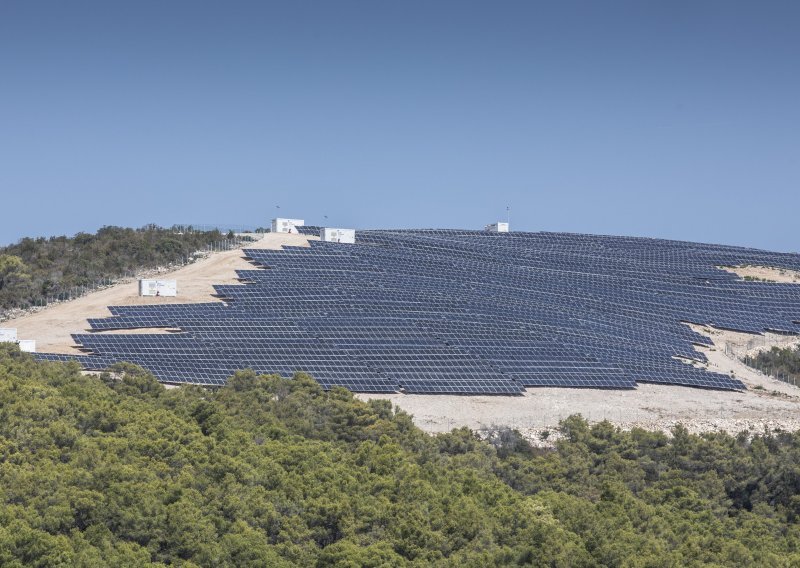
(461, 312)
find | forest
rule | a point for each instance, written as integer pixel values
(116, 470)
(36, 269)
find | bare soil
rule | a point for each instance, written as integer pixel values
(783, 275)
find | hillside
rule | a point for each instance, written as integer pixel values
(34, 272)
(766, 404)
(52, 327)
(272, 472)
(461, 312)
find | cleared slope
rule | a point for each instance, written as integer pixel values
(52, 327)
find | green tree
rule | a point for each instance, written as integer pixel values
(15, 280)
(119, 471)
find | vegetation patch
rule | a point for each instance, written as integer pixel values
(35, 270)
(782, 363)
(118, 471)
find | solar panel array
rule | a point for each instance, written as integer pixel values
(449, 311)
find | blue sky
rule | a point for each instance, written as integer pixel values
(676, 119)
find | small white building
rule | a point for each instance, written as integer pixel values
(497, 227)
(286, 225)
(332, 235)
(8, 334)
(158, 287)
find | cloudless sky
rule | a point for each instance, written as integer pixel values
(676, 119)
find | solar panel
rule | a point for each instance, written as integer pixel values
(458, 312)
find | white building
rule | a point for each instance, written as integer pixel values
(332, 235)
(8, 334)
(497, 227)
(286, 225)
(158, 287)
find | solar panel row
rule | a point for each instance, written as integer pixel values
(467, 312)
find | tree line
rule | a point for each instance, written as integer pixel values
(783, 362)
(116, 470)
(35, 269)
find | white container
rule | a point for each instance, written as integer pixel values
(497, 228)
(331, 235)
(8, 334)
(27, 345)
(158, 287)
(280, 225)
